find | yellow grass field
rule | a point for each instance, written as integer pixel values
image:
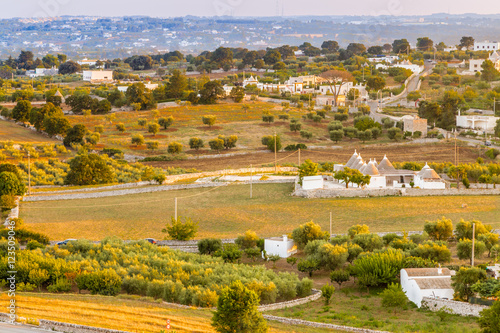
(19, 134)
(130, 315)
(228, 211)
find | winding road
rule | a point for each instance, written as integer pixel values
(8, 328)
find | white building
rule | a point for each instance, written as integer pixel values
(418, 283)
(98, 76)
(429, 179)
(281, 246)
(89, 62)
(416, 69)
(39, 72)
(486, 46)
(384, 175)
(389, 59)
(475, 65)
(483, 123)
(312, 182)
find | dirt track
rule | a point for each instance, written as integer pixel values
(397, 153)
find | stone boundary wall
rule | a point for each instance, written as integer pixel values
(290, 321)
(288, 304)
(453, 307)
(73, 328)
(119, 192)
(90, 189)
(405, 192)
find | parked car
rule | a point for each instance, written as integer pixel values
(151, 240)
(65, 242)
(487, 143)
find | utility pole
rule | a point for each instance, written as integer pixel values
(494, 105)
(251, 179)
(275, 155)
(29, 174)
(299, 156)
(175, 213)
(455, 147)
(473, 243)
(330, 224)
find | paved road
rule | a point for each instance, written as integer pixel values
(7, 328)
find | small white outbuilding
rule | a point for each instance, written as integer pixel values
(312, 182)
(418, 283)
(281, 246)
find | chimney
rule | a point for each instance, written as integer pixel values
(285, 238)
(440, 270)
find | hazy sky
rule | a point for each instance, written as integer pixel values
(170, 8)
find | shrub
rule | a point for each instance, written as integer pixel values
(492, 153)
(253, 253)
(137, 139)
(358, 230)
(489, 319)
(7, 202)
(432, 251)
(196, 143)
(340, 276)
(463, 229)
(341, 116)
(439, 230)
(216, 144)
(174, 148)
(248, 240)
(181, 230)
(463, 280)
(332, 256)
(229, 253)
(166, 122)
(102, 282)
(33, 244)
(394, 297)
(61, 285)
(284, 116)
(153, 128)
(209, 120)
(369, 242)
(379, 268)
(304, 287)
(308, 232)
(152, 145)
(268, 118)
(464, 249)
(120, 127)
(306, 134)
(308, 266)
(209, 245)
(327, 292)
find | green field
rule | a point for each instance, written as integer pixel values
(226, 212)
(19, 134)
(349, 307)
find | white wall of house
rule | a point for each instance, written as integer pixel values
(415, 294)
(486, 46)
(283, 247)
(485, 123)
(421, 183)
(377, 182)
(98, 76)
(312, 182)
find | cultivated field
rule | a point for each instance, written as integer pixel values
(133, 314)
(19, 134)
(226, 212)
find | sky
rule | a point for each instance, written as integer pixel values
(175, 8)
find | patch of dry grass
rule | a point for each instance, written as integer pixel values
(133, 315)
(227, 212)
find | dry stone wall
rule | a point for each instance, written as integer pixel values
(405, 192)
(288, 304)
(454, 307)
(50, 325)
(290, 321)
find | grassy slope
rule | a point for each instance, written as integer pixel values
(349, 307)
(122, 314)
(228, 211)
(19, 134)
